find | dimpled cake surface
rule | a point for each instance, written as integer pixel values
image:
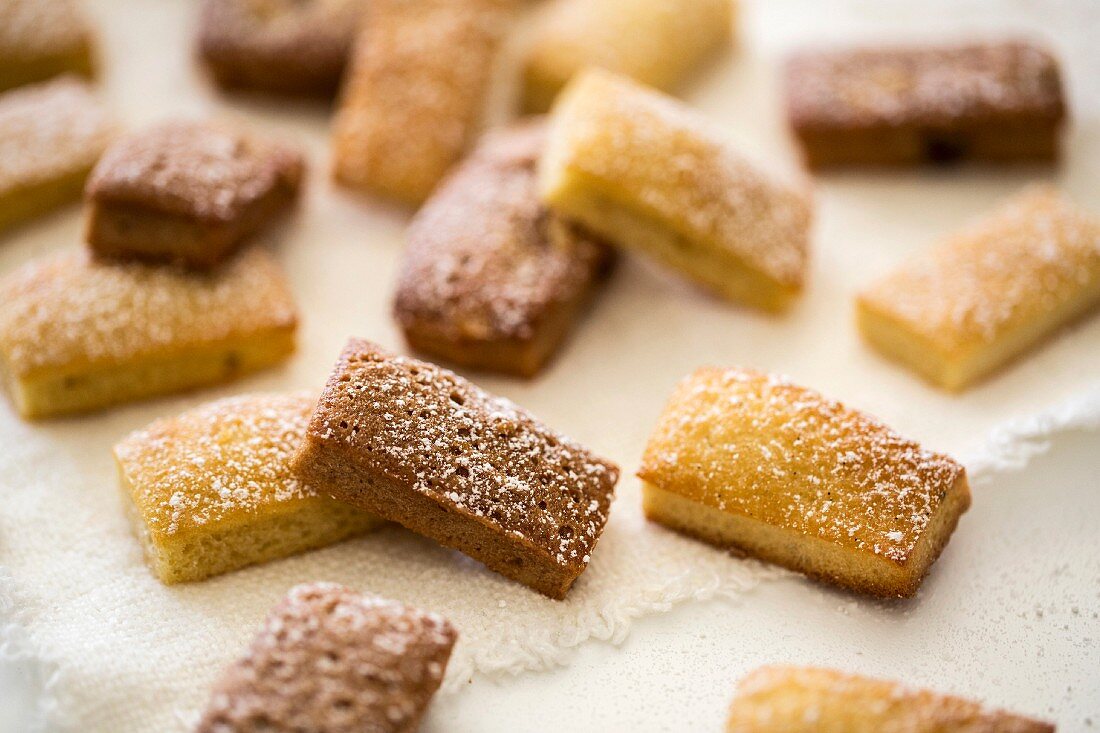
(51, 135)
(647, 173)
(752, 461)
(211, 490)
(78, 334)
(656, 42)
(785, 699)
(330, 660)
(489, 277)
(408, 112)
(964, 308)
(421, 446)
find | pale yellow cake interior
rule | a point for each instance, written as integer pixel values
(750, 461)
(960, 311)
(657, 42)
(211, 490)
(644, 172)
(77, 334)
(785, 699)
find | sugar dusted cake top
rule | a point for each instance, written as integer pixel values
(329, 659)
(430, 429)
(1027, 258)
(216, 461)
(71, 309)
(757, 445)
(209, 171)
(934, 85)
(50, 130)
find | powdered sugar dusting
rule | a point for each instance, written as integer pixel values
(485, 260)
(49, 131)
(760, 446)
(931, 86)
(432, 430)
(71, 309)
(673, 166)
(203, 170)
(1025, 260)
(329, 659)
(229, 457)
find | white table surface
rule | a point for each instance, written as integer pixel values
(1011, 614)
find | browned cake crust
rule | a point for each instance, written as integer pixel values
(811, 700)
(996, 102)
(415, 92)
(280, 46)
(419, 445)
(40, 39)
(188, 192)
(490, 278)
(329, 660)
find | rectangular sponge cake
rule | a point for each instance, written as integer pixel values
(647, 174)
(77, 334)
(211, 490)
(966, 307)
(751, 461)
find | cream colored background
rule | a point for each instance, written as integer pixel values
(1010, 614)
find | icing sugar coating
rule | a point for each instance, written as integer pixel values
(69, 308)
(485, 259)
(933, 86)
(429, 429)
(1026, 259)
(221, 459)
(329, 660)
(759, 446)
(809, 700)
(208, 171)
(49, 131)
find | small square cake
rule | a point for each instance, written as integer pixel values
(279, 46)
(77, 334)
(809, 700)
(421, 446)
(188, 192)
(994, 102)
(50, 137)
(40, 39)
(329, 660)
(211, 490)
(490, 279)
(645, 172)
(415, 92)
(657, 42)
(964, 308)
(755, 463)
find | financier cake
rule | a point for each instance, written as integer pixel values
(750, 461)
(645, 172)
(996, 102)
(77, 334)
(415, 92)
(211, 491)
(421, 446)
(961, 310)
(51, 135)
(329, 660)
(40, 39)
(809, 700)
(278, 46)
(188, 192)
(657, 42)
(489, 278)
